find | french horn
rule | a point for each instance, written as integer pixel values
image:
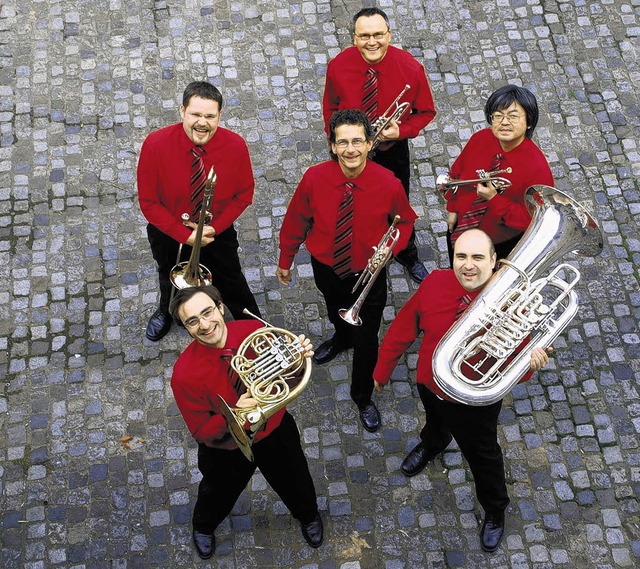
(271, 364)
(482, 356)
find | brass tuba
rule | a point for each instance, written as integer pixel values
(392, 114)
(271, 364)
(477, 362)
(382, 254)
(191, 273)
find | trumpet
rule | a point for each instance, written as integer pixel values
(191, 273)
(444, 183)
(382, 254)
(392, 114)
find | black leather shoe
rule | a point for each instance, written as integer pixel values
(313, 532)
(327, 351)
(370, 417)
(417, 272)
(492, 530)
(205, 544)
(159, 325)
(416, 461)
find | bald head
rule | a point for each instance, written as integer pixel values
(474, 258)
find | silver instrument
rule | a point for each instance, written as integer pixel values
(382, 254)
(392, 114)
(271, 364)
(477, 362)
(444, 183)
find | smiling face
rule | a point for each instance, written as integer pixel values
(473, 259)
(351, 147)
(200, 119)
(367, 28)
(509, 126)
(204, 320)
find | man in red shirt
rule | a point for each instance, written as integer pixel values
(369, 76)
(201, 375)
(432, 310)
(373, 196)
(165, 192)
(512, 113)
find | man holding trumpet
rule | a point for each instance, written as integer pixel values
(341, 209)
(172, 169)
(504, 151)
(374, 76)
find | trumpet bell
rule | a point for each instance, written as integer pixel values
(350, 316)
(180, 278)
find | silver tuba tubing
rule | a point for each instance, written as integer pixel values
(474, 363)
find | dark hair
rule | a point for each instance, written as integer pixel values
(352, 117)
(367, 13)
(505, 96)
(184, 294)
(203, 90)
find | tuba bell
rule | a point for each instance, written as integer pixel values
(271, 365)
(191, 273)
(476, 361)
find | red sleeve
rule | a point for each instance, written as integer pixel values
(296, 224)
(407, 217)
(149, 183)
(423, 109)
(330, 99)
(401, 334)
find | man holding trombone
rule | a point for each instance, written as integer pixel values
(341, 209)
(172, 170)
(372, 76)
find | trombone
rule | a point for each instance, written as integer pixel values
(382, 254)
(191, 273)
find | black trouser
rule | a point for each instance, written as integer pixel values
(502, 249)
(220, 257)
(475, 429)
(364, 339)
(226, 473)
(398, 159)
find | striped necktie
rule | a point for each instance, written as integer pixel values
(465, 301)
(344, 234)
(198, 180)
(370, 95)
(473, 218)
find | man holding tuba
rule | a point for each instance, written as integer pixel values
(439, 301)
(376, 77)
(506, 149)
(173, 165)
(341, 209)
(201, 375)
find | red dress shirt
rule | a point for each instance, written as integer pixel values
(344, 86)
(507, 215)
(164, 172)
(431, 310)
(313, 213)
(200, 374)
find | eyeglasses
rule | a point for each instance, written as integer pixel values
(356, 143)
(513, 118)
(207, 314)
(367, 37)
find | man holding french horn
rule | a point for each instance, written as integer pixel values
(341, 209)
(205, 381)
(438, 303)
(372, 76)
(172, 169)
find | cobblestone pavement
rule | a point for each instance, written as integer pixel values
(81, 85)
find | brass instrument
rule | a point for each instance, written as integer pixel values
(392, 114)
(191, 273)
(382, 254)
(444, 183)
(477, 362)
(271, 364)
